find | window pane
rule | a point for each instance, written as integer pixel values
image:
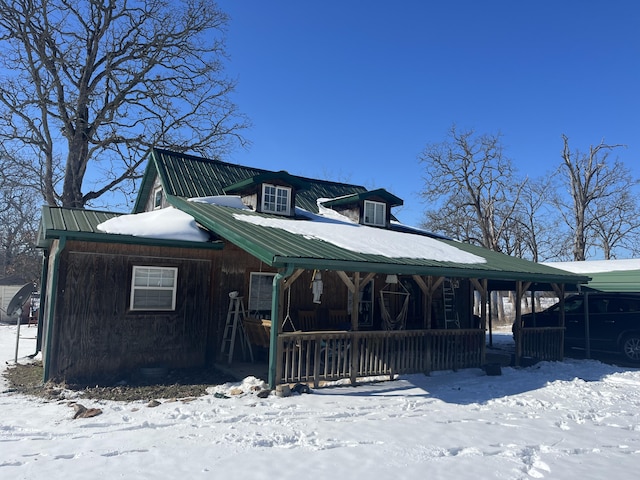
(153, 299)
(269, 201)
(282, 200)
(260, 292)
(374, 213)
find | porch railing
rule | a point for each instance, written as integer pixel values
(328, 356)
(543, 343)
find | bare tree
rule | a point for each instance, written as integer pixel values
(593, 181)
(616, 221)
(19, 215)
(90, 85)
(472, 187)
(534, 229)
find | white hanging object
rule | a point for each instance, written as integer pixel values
(317, 287)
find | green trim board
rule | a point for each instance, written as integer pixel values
(256, 180)
(389, 198)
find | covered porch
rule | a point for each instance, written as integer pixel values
(301, 351)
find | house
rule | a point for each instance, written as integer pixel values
(327, 283)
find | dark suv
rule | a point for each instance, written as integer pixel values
(614, 322)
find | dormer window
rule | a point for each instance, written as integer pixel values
(375, 213)
(276, 199)
(157, 198)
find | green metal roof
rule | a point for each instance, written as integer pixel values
(621, 281)
(80, 224)
(278, 248)
(189, 177)
(606, 275)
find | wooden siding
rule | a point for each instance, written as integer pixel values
(95, 335)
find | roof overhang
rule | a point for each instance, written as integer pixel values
(281, 249)
(381, 193)
(265, 177)
(82, 225)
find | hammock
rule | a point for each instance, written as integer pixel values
(390, 299)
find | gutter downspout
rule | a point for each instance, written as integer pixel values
(275, 323)
(52, 308)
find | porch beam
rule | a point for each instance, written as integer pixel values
(421, 283)
(347, 281)
(289, 281)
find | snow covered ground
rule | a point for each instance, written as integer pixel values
(577, 419)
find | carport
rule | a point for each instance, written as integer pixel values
(610, 276)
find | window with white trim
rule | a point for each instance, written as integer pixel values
(275, 199)
(260, 293)
(153, 288)
(157, 198)
(375, 213)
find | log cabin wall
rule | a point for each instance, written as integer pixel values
(96, 335)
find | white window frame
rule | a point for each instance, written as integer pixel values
(379, 211)
(272, 202)
(260, 292)
(158, 279)
(157, 191)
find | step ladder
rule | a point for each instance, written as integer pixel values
(451, 319)
(234, 326)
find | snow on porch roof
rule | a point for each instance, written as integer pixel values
(606, 275)
(301, 243)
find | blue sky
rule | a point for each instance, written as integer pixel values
(353, 90)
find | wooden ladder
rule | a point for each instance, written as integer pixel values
(234, 324)
(451, 319)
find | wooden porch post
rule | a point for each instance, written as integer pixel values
(559, 291)
(275, 359)
(482, 287)
(521, 288)
(355, 300)
(518, 324)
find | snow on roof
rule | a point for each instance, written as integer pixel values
(338, 230)
(596, 266)
(329, 226)
(167, 223)
(233, 201)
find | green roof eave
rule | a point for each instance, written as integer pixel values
(389, 198)
(80, 224)
(437, 271)
(146, 185)
(263, 177)
(50, 235)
